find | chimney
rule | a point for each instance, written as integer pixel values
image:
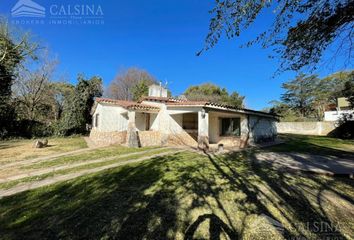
(157, 91)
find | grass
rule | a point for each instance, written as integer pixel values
(183, 196)
(17, 150)
(116, 159)
(314, 145)
(114, 150)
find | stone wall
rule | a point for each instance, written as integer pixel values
(181, 139)
(149, 138)
(306, 128)
(230, 141)
(107, 138)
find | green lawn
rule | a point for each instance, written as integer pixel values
(183, 196)
(315, 145)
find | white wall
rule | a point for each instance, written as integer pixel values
(262, 128)
(306, 128)
(333, 116)
(111, 118)
(214, 124)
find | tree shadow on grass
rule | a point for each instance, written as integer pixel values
(111, 205)
(303, 214)
(216, 228)
(169, 197)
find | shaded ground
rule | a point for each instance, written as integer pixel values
(311, 163)
(184, 196)
(18, 150)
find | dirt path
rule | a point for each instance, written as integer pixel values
(329, 165)
(45, 158)
(60, 178)
(46, 170)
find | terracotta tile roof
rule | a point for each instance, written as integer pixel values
(187, 103)
(218, 105)
(161, 99)
(171, 102)
(127, 104)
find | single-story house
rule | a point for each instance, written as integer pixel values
(158, 120)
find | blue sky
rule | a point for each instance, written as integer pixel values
(161, 37)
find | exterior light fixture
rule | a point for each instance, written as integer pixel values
(203, 113)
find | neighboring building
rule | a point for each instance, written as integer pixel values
(342, 108)
(159, 120)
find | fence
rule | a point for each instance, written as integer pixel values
(306, 128)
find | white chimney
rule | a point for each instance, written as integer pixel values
(157, 91)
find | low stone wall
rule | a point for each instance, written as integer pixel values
(306, 128)
(149, 138)
(230, 141)
(181, 139)
(108, 138)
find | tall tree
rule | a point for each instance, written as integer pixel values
(61, 93)
(76, 113)
(299, 93)
(348, 91)
(300, 32)
(14, 49)
(32, 91)
(131, 84)
(214, 93)
(310, 97)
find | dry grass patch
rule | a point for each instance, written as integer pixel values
(17, 150)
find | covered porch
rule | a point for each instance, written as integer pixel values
(211, 128)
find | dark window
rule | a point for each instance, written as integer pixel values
(96, 120)
(190, 121)
(230, 127)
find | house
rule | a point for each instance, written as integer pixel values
(336, 112)
(158, 120)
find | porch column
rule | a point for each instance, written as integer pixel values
(132, 135)
(203, 129)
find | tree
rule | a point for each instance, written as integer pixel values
(33, 95)
(76, 112)
(61, 92)
(14, 49)
(140, 89)
(131, 84)
(300, 32)
(309, 97)
(299, 93)
(348, 91)
(213, 93)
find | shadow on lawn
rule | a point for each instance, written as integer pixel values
(155, 200)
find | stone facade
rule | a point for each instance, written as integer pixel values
(181, 139)
(149, 138)
(230, 141)
(108, 138)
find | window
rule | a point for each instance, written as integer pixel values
(96, 120)
(230, 127)
(190, 121)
